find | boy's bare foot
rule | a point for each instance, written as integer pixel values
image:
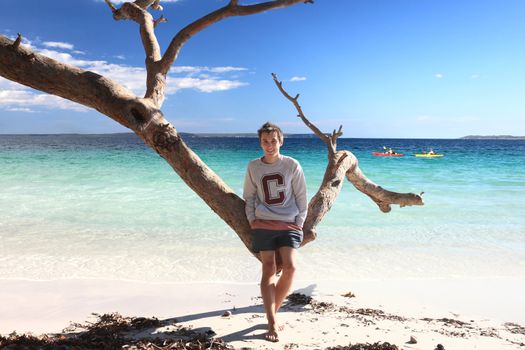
(272, 335)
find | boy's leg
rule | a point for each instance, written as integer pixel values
(268, 292)
(284, 284)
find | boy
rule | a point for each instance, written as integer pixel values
(275, 194)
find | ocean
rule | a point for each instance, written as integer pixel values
(108, 207)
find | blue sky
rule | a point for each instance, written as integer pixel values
(382, 68)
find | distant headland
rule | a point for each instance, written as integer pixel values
(493, 137)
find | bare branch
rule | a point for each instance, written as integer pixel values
(131, 11)
(337, 134)
(155, 81)
(383, 198)
(111, 6)
(17, 42)
(232, 9)
(340, 165)
(159, 20)
(145, 4)
(45, 74)
(330, 141)
(156, 5)
(157, 67)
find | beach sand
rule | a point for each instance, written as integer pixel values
(459, 314)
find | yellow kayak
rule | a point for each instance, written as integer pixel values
(427, 155)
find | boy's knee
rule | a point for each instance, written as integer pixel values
(268, 267)
(289, 268)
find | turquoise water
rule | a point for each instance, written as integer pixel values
(105, 206)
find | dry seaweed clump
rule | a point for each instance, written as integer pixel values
(360, 346)
(349, 295)
(112, 332)
(299, 299)
(515, 328)
(317, 306)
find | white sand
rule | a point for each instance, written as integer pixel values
(49, 306)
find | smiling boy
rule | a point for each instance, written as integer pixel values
(276, 206)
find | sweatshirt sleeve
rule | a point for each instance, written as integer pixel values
(249, 195)
(299, 190)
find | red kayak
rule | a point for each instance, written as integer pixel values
(385, 154)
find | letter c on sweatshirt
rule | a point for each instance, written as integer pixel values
(278, 196)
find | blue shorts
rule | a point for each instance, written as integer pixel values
(273, 240)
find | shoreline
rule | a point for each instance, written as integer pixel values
(484, 304)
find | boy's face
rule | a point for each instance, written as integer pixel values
(270, 143)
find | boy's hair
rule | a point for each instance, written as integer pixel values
(270, 127)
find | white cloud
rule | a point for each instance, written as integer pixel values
(438, 75)
(185, 69)
(26, 98)
(64, 57)
(474, 76)
(203, 85)
(21, 109)
(134, 78)
(58, 45)
(225, 69)
(298, 79)
(198, 70)
(203, 79)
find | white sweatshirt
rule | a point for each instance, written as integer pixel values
(275, 191)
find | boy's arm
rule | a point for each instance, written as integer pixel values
(249, 195)
(299, 190)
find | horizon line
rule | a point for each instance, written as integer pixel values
(251, 135)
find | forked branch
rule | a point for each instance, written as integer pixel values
(331, 141)
(157, 67)
(137, 12)
(342, 164)
(159, 20)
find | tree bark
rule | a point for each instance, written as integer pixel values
(143, 115)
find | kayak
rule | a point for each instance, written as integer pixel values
(385, 154)
(426, 155)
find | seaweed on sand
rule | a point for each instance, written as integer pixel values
(375, 346)
(114, 331)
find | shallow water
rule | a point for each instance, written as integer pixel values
(106, 206)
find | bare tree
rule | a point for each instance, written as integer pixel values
(143, 115)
